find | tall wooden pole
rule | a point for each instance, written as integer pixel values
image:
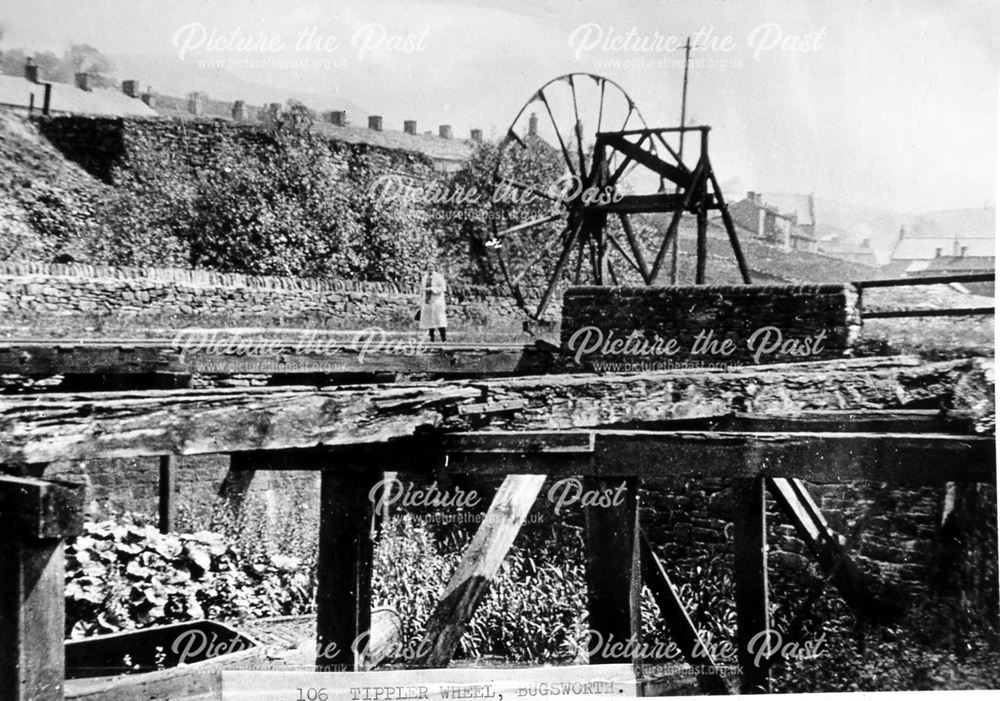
(680, 151)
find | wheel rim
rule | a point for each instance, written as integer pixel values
(544, 235)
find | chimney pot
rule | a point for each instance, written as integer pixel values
(149, 98)
(82, 81)
(476, 135)
(533, 125)
(375, 122)
(410, 126)
(937, 252)
(239, 111)
(444, 131)
(195, 103)
(130, 88)
(31, 70)
(337, 118)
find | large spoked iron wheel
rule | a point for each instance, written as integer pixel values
(547, 234)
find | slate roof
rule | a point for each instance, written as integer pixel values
(15, 91)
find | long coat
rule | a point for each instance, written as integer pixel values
(432, 311)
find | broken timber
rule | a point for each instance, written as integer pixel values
(480, 562)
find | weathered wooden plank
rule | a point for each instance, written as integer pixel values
(37, 516)
(679, 623)
(614, 580)
(344, 566)
(44, 428)
(112, 358)
(906, 458)
(558, 442)
(750, 579)
(167, 507)
(482, 558)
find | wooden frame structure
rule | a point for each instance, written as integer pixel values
(578, 221)
(309, 430)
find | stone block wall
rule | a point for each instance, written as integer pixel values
(663, 327)
(76, 298)
(902, 536)
(101, 144)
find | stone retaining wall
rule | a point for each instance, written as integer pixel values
(46, 298)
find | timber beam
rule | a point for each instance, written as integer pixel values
(904, 458)
(47, 427)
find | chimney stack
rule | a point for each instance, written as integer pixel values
(195, 104)
(476, 135)
(31, 70)
(239, 111)
(375, 122)
(149, 98)
(533, 125)
(337, 118)
(444, 131)
(964, 251)
(82, 81)
(410, 126)
(130, 88)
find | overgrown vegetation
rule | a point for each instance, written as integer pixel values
(122, 574)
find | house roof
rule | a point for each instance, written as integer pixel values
(434, 147)
(909, 248)
(943, 263)
(16, 91)
(801, 206)
(793, 266)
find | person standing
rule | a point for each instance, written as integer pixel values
(433, 314)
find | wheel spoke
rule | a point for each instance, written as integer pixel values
(600, 109)
(557, 273)
(633, 243)
(618, 247)
(562, 144)
(528, 225)
(540, 255)
(578, 129)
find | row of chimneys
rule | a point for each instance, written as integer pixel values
(195, 106)
(339, 118)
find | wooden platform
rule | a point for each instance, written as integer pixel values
(343, 356)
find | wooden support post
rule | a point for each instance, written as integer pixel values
(679, 623)
(344, 566)
(614, 580)
(702, 258)
(750, 575)
(37, 516)
(482, 558)
(168, 465)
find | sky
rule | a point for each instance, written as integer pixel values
(888, 103)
